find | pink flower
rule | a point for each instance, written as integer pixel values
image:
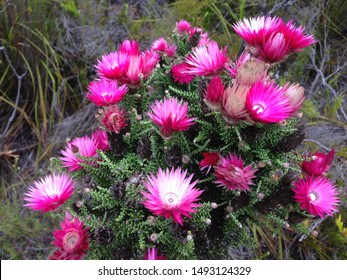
(232, 174)
(171, 115)
(215, 90)
(113, 118)
(296, 95)
(140, 68)
(207, 60)
(180, 73)
(106, 92)
(183, 26)
(72, 240)
(243, 58)
(317, 195)
(318, 163)
(268, 103)
(210, 159)
(160, 45)
(130, 47)
(101, 139)
(234, 100)
(113, 65)
(152, 254)
(49, 193)
(80, 146)
(271, 38)
(171, 194)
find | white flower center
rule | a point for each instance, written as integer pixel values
(171, 198)
(258, 108)
(313, 196)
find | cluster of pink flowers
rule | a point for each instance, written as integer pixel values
(314, 192)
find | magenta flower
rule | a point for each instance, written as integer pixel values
(170, 115)
(171, 194)
(317, 195)
(49, 193)
(101, 139)
(113, 118)
(162, 46)
(106, 92)
(210, 159)
(72, 240)
(130, 47)
(80, 146)
(140, 68)
(318, 163)
(232, 174)
(183, 27)
(215, 90)
(207, 60)
(268, 103)
(113, 65)
(180, 73)
(152, 254)
(271, 38)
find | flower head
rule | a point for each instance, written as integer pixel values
(113, 65)
(232, 174)
(318, 163)
(80, 146)
(183, 27)
(162, 46)
(152, 254)
(171, 115)
(317, 195)
(130, 47)
(171, 194)
(234, 99)
(215, 90)
(207, 60)
(296, 95)
(210, 159)
(101, 139)
(106, 92)
(243, 58)
(180, 73)
(268, 103)
(272, 39)
(50, 192)
(72, 240)
(113, 118)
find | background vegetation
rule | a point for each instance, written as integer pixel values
(47, 52)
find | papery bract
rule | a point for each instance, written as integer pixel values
(210, 159)
(113, 118)
(180, 73)
(101, 139)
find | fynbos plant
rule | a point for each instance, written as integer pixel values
(193, 149)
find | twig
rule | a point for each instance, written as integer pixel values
(19, 79)
(319, 144)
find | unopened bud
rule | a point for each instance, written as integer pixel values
(208, 221)
(79, 204)
(138, 117)
(261, 164)
(214, 205)
(315, 233)
(151, 220)
(283, 123)
(185, 159)
(87, 190)
(166, 92)
(260, 196)
(229, 209)
(127, 134)
(237, 193)
(154, 237)
(189, 237)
